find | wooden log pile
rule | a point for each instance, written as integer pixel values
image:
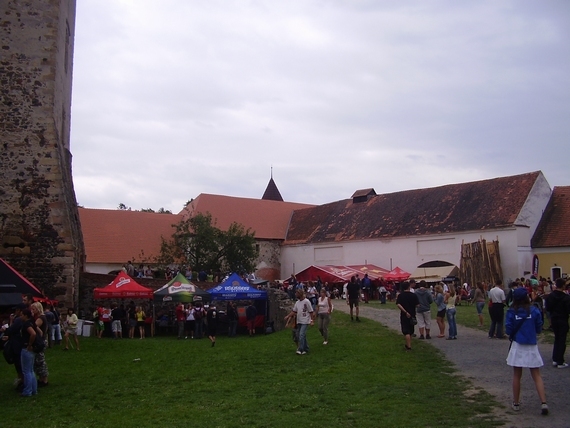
(480, 262)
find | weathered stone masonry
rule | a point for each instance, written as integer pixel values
(40, 234)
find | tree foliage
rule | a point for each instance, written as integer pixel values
(198, 243)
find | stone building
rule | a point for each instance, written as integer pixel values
(40, 233)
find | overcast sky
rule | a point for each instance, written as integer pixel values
(174, 98)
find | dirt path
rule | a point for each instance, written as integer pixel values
(482, 360)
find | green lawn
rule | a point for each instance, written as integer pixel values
(362, 378)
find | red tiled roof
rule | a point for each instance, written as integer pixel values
(268, 219)
(554, 227)
(117, 236)
(479, 205)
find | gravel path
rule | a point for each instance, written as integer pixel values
(482, 360)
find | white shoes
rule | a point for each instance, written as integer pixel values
(326, 342)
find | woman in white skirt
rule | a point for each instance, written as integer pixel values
(523, 323)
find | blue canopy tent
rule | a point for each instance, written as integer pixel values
(235, 288)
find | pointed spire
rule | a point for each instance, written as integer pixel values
(272, 192)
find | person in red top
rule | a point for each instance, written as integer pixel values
(180, 319)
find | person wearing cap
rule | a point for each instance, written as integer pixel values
(558, 305)
(523, 323)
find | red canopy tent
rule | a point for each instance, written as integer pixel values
(335, 274)
(13, 284)
(397, 274)
(123, 287)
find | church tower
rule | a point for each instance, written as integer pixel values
(40, 234)
(271, 191)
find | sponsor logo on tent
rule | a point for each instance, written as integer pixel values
(122, 282)
(178, 287)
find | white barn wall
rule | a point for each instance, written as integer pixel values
(406, 252)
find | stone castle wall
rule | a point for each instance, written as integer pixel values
(268, 265)
(40, 233)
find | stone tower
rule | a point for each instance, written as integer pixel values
(40, 234)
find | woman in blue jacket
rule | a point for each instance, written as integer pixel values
(523, 323)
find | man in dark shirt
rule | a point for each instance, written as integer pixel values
(13, 333)
(353, 296)
(407, 302)
(558, 304)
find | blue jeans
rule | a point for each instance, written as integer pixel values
(303, 345)
(451, 321)
(55, 332)
(480, 306)
(30, 381)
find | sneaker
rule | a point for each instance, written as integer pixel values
(326, 342)
(544, 409)
(516, 406)
(562, 366)
(554, 364)
(357, 319)
(298, 352)
(428, 336)
(303, 353)
(422, 337)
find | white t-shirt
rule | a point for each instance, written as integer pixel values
(497, 295)
(303, 309)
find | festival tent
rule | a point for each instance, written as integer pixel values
(123, 287)
(180, 289)
(373, 271)
(235, 288)
(13, 285)
(335, 274)
(397, 274)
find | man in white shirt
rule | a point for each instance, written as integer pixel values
(496, 304)
(303, 311)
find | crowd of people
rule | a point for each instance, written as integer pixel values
(529, 303)
(31, 328)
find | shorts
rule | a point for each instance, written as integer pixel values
(480, 306)
(441, 314)
(353, 302)
(132, 323)
(71, 330)
(116, 326)
(140, 323)
(424, 319)
(407, 326)
(99, 326)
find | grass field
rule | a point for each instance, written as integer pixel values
(362, 378)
